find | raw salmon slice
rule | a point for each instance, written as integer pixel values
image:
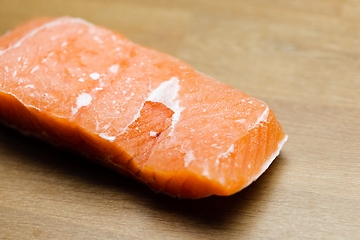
(146, 114)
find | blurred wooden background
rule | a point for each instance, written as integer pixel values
(301, 57)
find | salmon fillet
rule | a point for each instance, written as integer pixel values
(143, 113)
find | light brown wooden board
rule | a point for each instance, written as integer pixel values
(301, 57)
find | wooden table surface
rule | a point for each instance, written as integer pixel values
(301, 57)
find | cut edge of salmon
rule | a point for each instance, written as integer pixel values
(270, 160)
(61, 133)
(191, 182)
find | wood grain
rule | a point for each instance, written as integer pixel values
(301, 57)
